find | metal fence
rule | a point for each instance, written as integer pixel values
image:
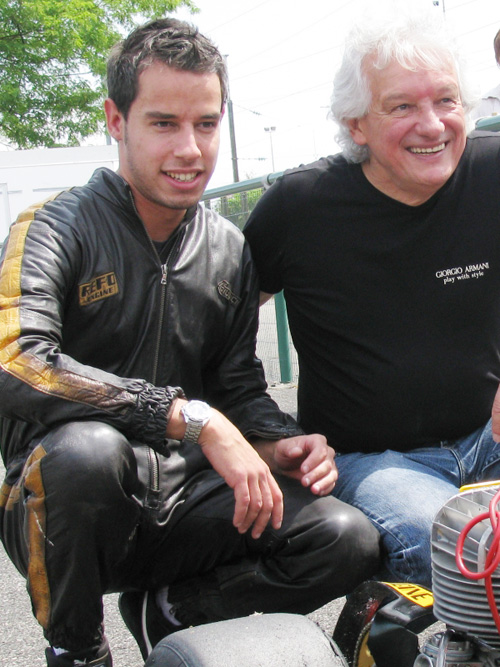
(274, 347)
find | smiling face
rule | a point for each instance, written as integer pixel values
(415, 130)
(169, 142)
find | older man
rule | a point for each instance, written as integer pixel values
(389, 257)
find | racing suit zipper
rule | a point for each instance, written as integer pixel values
(178, 235)
(152, 496)
(163, 295)
(152, 455)
(163, 299)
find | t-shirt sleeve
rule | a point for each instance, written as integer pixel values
(265, 234)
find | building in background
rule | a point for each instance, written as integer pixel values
(28, 177)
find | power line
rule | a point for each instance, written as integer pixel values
(481, 27)
(296, 92)
(287, 62)
(468, 2)
(299, 32)
(257, 113)
(238, 16)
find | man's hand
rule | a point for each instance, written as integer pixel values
(258, 498)
(307, 458)
(495, 417)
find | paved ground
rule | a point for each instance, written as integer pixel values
(21, 641)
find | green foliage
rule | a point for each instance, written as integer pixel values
(53, 64)
(238, 207)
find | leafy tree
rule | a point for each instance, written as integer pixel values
(53, 63)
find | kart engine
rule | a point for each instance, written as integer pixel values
(466, 581)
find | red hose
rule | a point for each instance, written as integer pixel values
(492, 557)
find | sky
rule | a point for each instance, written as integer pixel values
(282, 57)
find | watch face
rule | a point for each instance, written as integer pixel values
(197, 410)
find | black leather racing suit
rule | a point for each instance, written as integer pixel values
(97, 335)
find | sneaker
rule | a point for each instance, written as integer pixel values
(145, 620)
(96, 657)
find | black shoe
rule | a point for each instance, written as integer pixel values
(95, 657)
(145, 620)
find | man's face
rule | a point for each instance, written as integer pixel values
(415, 131)
(169, 143)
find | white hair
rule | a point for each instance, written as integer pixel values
(414, 41)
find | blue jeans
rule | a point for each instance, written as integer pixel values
(401, 492)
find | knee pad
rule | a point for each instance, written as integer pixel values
(91, 455)
(93, 443)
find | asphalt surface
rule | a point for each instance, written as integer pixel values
(21, 639)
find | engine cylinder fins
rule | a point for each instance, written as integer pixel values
(461, 602)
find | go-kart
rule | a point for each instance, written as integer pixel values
(381, 624)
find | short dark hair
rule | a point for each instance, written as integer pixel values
(175, 43)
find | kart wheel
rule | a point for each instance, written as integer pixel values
(354, 623)
(278, 640)
(362, 656)
(380, 623)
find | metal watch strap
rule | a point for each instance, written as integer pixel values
(196, 414)
(193, 430)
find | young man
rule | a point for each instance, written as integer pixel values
(120, 302)
(389, 259)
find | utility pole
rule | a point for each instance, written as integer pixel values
(232, 134)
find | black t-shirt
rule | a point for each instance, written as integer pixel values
(394, 310)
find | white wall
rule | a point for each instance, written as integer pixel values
(28, 177)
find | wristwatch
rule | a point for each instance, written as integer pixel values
(196, 414)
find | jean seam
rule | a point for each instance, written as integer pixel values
(459, 461)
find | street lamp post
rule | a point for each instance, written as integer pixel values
(271, 130)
